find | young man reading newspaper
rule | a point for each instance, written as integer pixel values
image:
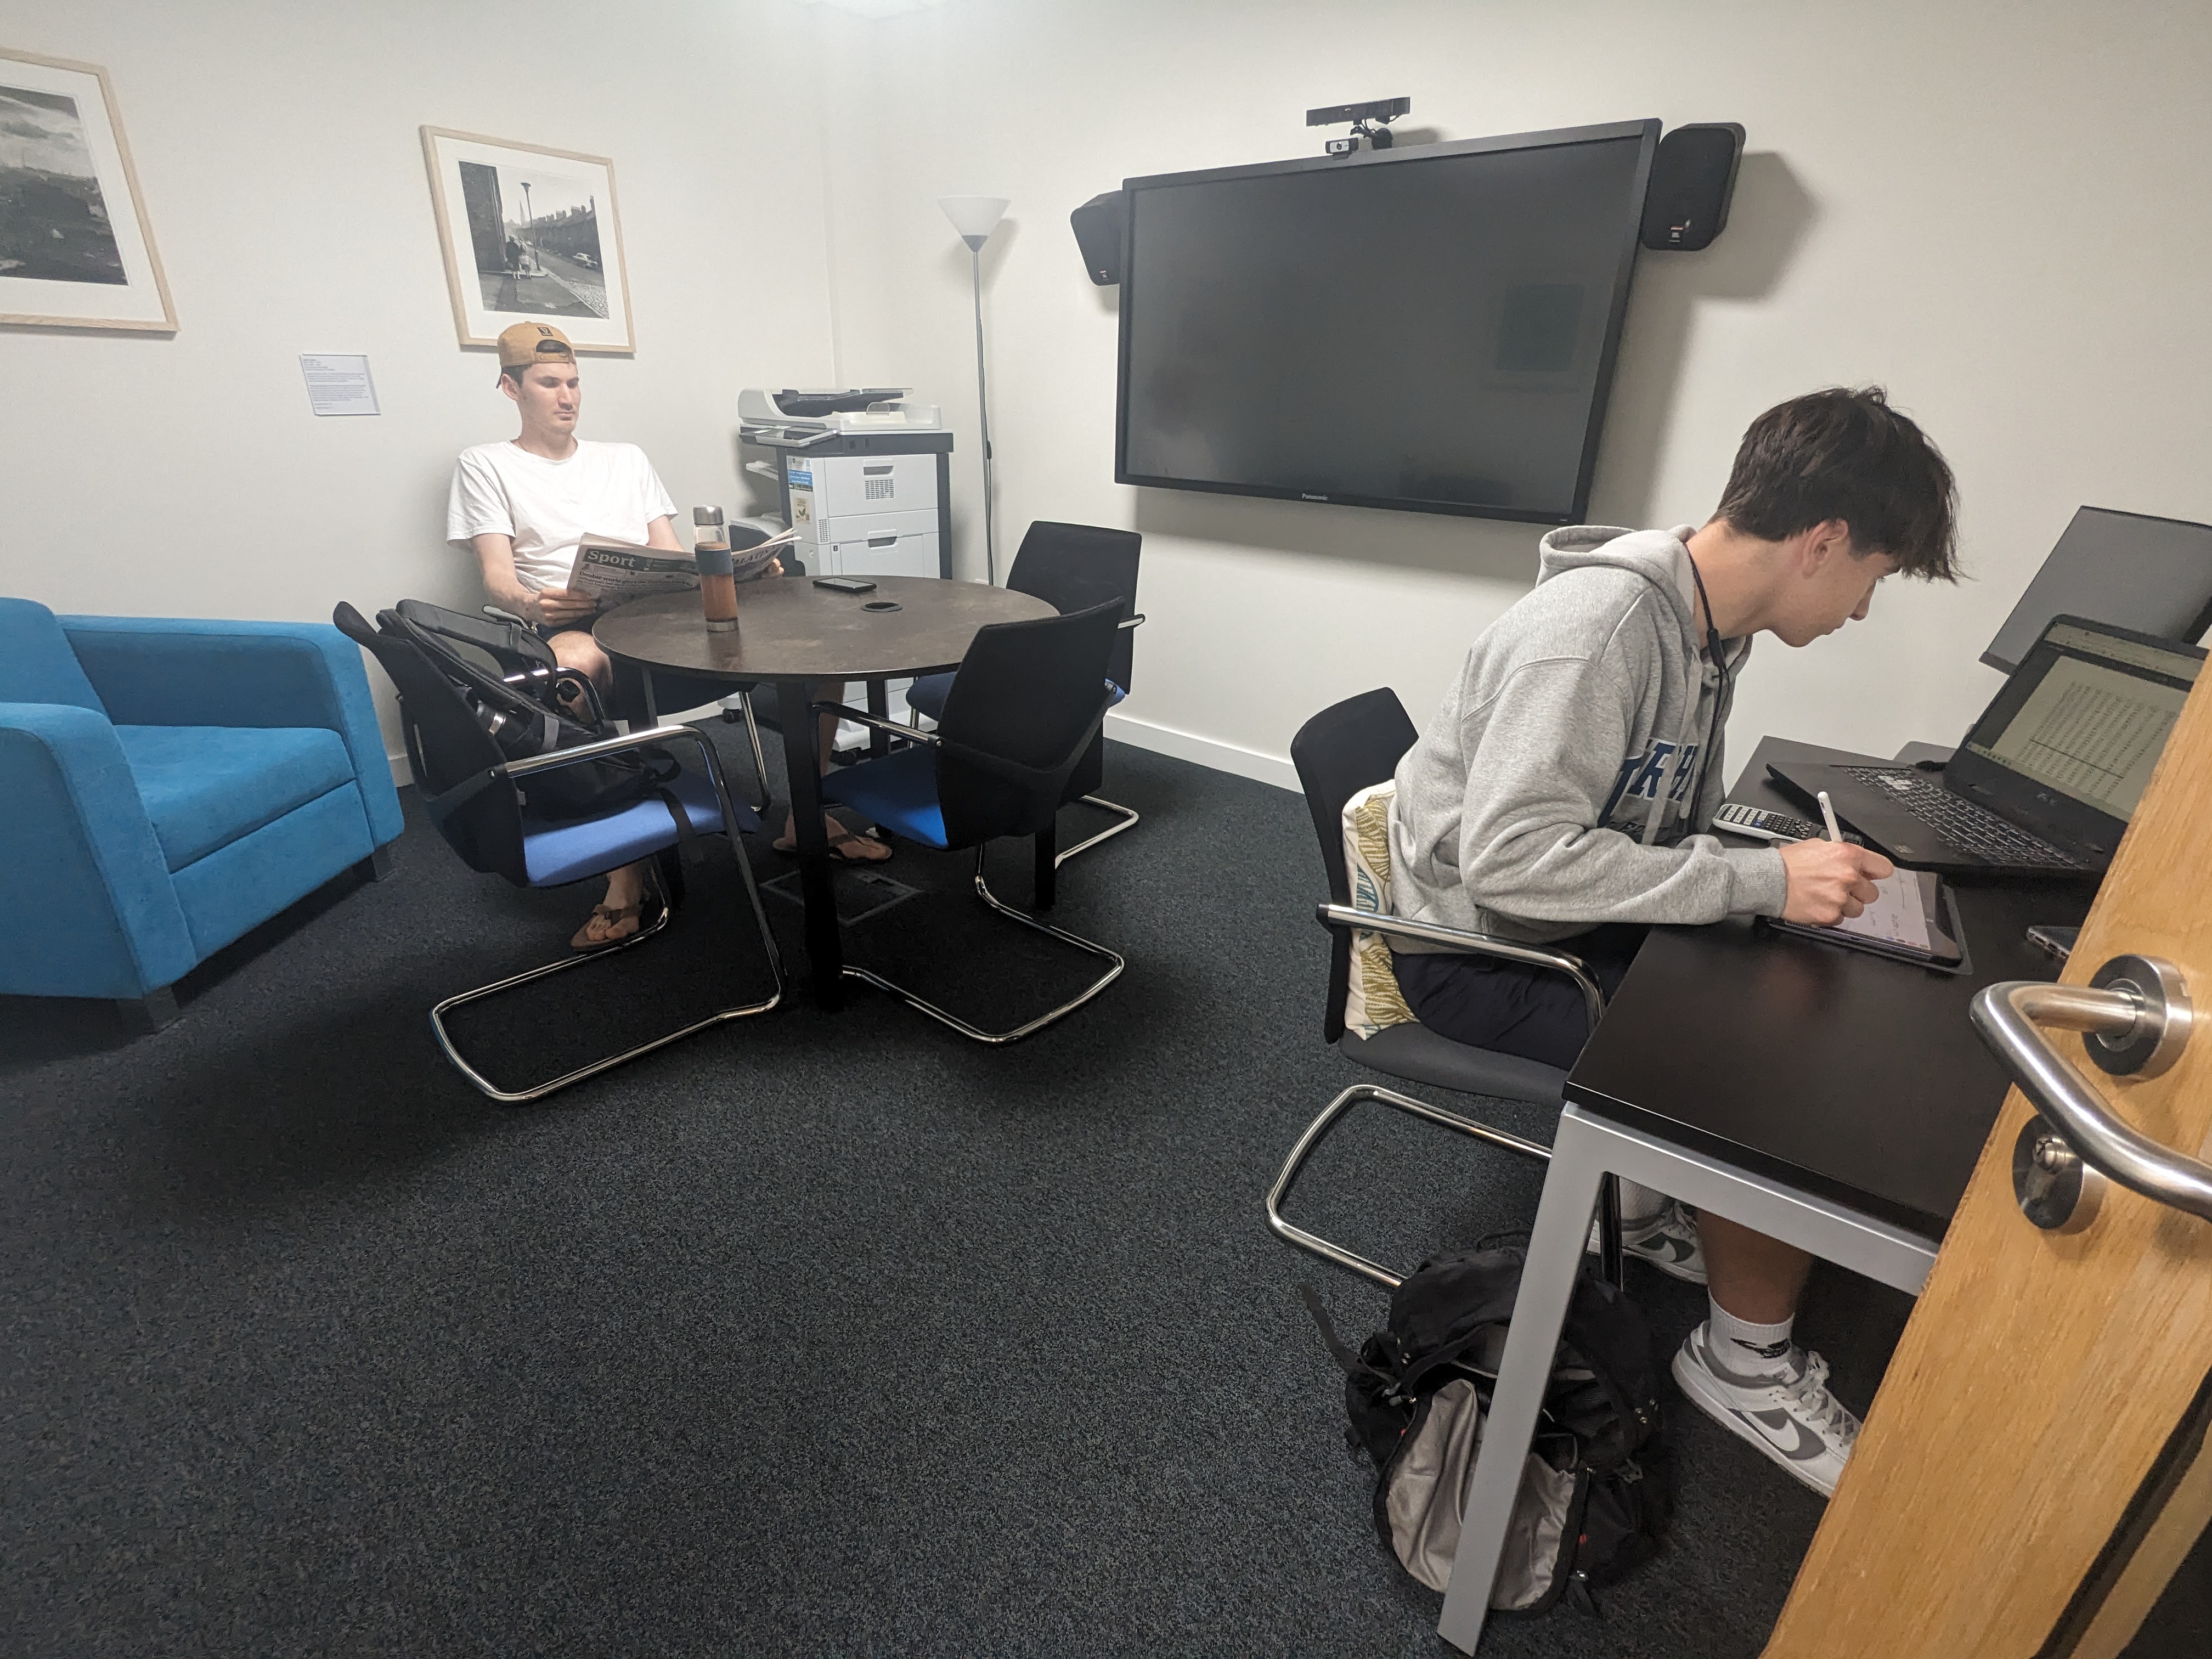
(1557, 797)
(523, 505)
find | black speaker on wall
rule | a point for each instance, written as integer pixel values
(1692, 177)
(1099, 224)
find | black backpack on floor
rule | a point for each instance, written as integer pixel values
(1594, 1499)
(513, 685)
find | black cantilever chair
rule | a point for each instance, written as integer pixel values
(1072, 566)
(1024, 709)
(1345, 749)
(474, 796)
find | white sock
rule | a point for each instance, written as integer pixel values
(1640, 1206)
(1744, 1349)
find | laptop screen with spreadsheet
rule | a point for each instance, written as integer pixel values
(2089, 711)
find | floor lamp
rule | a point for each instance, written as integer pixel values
(975, 217)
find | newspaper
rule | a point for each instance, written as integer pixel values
(614, 573)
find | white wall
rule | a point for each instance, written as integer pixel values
(1997, 209)
(278, 150)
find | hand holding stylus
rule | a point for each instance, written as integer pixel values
(1831, 881)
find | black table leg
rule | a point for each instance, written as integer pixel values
(802, 765)
(879, 705)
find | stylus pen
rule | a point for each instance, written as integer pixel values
(1828, 816)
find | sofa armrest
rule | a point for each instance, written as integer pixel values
(161, 670)
(91, 910)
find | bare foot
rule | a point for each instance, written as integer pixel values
(605, 927)
(618, 915)
(848, 847)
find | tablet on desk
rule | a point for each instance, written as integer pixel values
(1913, 919)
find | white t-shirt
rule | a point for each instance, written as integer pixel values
(548, 507)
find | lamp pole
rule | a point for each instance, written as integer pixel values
(975, 217)
(983, 418)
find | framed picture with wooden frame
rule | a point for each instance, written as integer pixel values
(529, 234)
(75, 248)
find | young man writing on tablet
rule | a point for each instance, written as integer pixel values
(524, 505)
(1557, 797)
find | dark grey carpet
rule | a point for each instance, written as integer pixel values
(814, 1334)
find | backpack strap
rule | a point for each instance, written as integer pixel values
(687, 838)
(1402, 1382)
(1435, 1358)
(1351, 1362)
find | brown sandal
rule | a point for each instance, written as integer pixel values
(840, 839)
(632, 914)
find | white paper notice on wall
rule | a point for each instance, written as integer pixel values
(338, 383)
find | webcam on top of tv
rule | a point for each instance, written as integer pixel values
(1371, 121)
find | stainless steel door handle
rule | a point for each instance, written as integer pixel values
(2137, 1017)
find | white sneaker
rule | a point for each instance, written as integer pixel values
(1669, 1241)
(1792, 1418)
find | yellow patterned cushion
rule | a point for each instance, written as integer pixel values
(1373, 1000)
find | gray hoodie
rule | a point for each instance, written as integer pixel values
(1559, 784)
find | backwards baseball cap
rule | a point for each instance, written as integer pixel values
(533, 342)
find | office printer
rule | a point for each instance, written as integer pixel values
(863, 476)
(804, 416)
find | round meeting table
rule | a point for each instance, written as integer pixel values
(791, 632)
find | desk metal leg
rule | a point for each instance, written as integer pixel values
(1548, 1281)
(825, 959)
(1586, 1149)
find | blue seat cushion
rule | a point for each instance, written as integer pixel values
(556, 853)
(927, 695)
(205, 786)
(898, 793)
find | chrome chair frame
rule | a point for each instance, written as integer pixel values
(1473, 944)
(761, 800)
(744, 711)
(1126, 817)
(523, 768)
(993, 903)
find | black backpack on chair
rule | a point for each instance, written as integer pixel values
(1594, 1499)
(513, 685)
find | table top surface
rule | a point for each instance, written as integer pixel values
(790, 629)
(1835, 1072)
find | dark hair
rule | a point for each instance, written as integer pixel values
(1847, 454)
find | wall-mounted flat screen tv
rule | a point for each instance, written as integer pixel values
(1430, 328)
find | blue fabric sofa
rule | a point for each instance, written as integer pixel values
(169, 785)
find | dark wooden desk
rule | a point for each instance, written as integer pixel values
(1837, 1072)
(1826, 1097)
(791, 634)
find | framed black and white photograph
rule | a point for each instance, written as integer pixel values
(75, 248)
(529, 232)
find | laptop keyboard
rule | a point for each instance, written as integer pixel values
(1964, 824)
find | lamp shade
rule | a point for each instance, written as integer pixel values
(974, 216)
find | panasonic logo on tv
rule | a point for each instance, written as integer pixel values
(1304, 497)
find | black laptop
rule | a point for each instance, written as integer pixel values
(2049, 776)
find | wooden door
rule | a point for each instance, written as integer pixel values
(2034, 1466)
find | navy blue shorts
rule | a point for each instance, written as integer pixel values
(1511, 1007)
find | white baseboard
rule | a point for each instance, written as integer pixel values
(402, 773)
(1204, 751)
